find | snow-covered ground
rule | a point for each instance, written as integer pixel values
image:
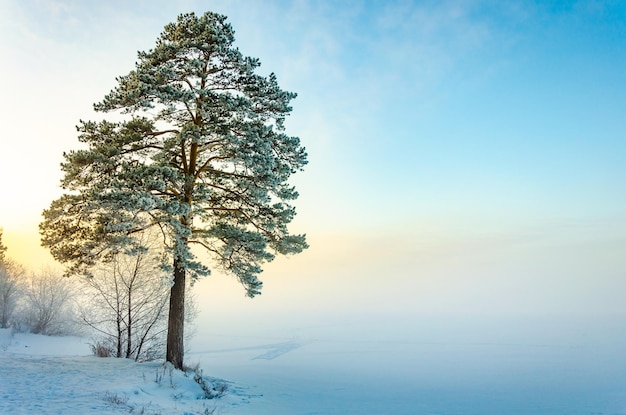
(454, 365)
(419, 364)
(56, 375)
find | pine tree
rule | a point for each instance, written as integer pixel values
(3, 249)
(201, 155)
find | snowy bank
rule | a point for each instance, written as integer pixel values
(56, 375)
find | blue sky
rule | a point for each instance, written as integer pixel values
(469, 144)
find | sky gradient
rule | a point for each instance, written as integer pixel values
(464, 156)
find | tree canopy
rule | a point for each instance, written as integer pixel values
(3, 249)
(201, 155)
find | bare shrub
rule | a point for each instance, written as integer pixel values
(101, 350)
(115, 398)
(166, 369)
(47, 304)
(11, 276)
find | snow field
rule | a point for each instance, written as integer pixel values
(337, 365)
(420, 364)
(56, 375)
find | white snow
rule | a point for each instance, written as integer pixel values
(56, 375)
(337, 365)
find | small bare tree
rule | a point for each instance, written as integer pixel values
(11, 275)
(48, 304)
(126, 304)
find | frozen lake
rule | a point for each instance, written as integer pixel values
(279, 363)
(418, 364)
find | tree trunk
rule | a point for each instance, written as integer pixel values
(120, 335)
(130, 324)
(176, 319)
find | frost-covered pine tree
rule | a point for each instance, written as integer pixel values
(201, 155)
(3, 249)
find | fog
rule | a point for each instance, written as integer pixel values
(419, 364)
(532, 323)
